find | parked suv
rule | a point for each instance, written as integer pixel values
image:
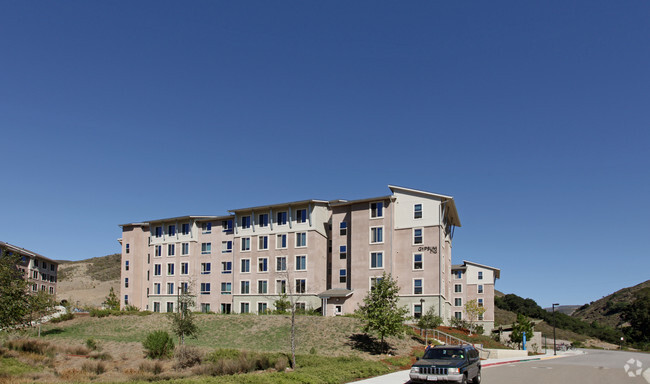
(457, 363)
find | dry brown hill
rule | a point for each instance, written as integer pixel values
(87, 282)
(608, 309)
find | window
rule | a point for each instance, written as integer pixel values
(480, 275)
(343, 275)
(301, 307)
(158, 232)
(206, 268)
(170, 307)
(374, 281)
(458, 302)
(343, 228)
(245, 287)
(205, 288)
(263, 220)
(128, 248)
(185, 268)
(244, 308)
(171, 249)
(376, 235)
(262, 243)
(280, 286)
(458, 315)
(262, 308)
(480, 316)
(206, 228)
(226, 225)
(417, 311)
(480, 302)
(301, 263)
(245, 222)
(206, 248)
(376, 210)
(156, 306)
(245, 244)
(126, 282)
(301, 285)
(170, 269)
(301, 239)
(282, 218)
(157, 270)
(262, 264)
(35, 287)
(205, 307)
(226, 267)
(280, 263)
(480, 288)
(459, 274)
(185, 229)
(170, 288)
(376, 260)
(245, 265)
(35, 275)
(226, 246)
(126, 299)
(226, 288)
(343, 252)
(52, 267)
(281, 241)
(126, 265)
(458, 288)
(185, 249)
(417, 236)
(52, 292)
(301, 215)
(417, 286)
(417, 211)
(156, 288)
(171, 230)
(262, 287)
(417, 261)
(158, 250)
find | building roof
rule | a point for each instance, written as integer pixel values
(457, 267)
(497, 271)
(293, 203)
(335, 292)
(189, 217)
(23, 251)
(338, 203)
(448, 201)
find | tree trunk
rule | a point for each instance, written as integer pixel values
(293, 336)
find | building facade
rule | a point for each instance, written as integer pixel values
(474, 281)
(328, 254)
(40, 271)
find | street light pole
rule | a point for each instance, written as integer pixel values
(554, 347)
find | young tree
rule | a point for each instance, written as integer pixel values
(429, 320)
(522, 325)
(14, 298)
(183, 321)
(473, 312)
(112, 302)
(381, 311)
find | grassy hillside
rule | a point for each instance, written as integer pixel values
(104, 268)
(608, 310)
(87, 282)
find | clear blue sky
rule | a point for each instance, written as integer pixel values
(535, 116)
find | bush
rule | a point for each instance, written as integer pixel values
(31, 345)
(155, 368)
(97, 368)
(158, 345)
(64, 317)
(91, 344)
(187, 357)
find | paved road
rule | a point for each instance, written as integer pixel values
(598, 367)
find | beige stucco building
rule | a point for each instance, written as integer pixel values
(472, 281)
(39, 270)
(328, 253)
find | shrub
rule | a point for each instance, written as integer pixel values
(78, 350)
(30, 345)
(64, 317)
(186, 356)
(97, 368)
(101, 356)
(158, 344)
(155, 368)
(91, 344)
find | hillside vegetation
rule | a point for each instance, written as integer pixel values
(88, 282)
(609, 309)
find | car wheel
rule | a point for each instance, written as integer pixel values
(477, 379)
(464, 379)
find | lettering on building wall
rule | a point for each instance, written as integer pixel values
(430, 249)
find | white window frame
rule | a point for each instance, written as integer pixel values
(458, 301)
(241, 265)
(421, 236)
(223, 266)
(265, 303)
(295, 287)
(278, 244)
(157, 251)
(306, 240)
(204, 270)
(415, 211)
(286, 263)
(259, 245)
(242, 242)
(247, 303)
(370, 256)
(250, 222)
(267, 286)
(241, 285)
(343, 278)
(382, 210)
(421, 261)
(157, 291)
(286, 217)
(370, 279)
(225, 284)
(279, 291)
(301, 219)
(259, 259)
(159, 269)
(343, 231)
(382, 234)
(421, 286)
(295, 267)
(458, 285)
(206, 248)
(343, 255)
(224, 246)
(185, 249)
(187, 266)
(173, 267)
(261, 222)
(480, 289)
(206, 227)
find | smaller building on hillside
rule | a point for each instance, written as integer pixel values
(40, 271)
(473, 281)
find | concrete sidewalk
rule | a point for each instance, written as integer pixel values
(403, 376)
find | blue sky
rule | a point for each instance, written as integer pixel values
(534, 115)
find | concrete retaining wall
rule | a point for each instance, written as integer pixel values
(503, 353)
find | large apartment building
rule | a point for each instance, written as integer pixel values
(327, 253)
(40, 271)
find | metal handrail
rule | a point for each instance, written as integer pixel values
(452, 340)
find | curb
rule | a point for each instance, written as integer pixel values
(521, 360)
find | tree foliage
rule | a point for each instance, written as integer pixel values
(473, 312)
(183, 320)
(112, 302)
(638, 315)
(380, 309)
(523, 325)
(429, 320)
